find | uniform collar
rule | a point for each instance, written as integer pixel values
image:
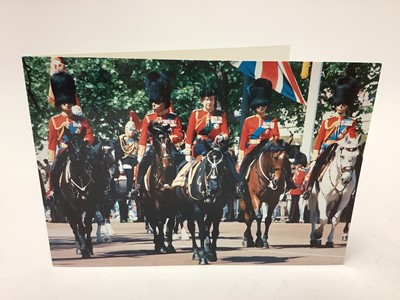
(209, 112)
(162, 113)
(261, 118)
(339, 116)
(64, 114)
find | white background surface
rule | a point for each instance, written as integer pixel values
(315, 30)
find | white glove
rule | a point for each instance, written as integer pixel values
(188, 158)
(219, 138)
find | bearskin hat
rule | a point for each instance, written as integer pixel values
(63, 87)
(208, 91)
(158, 88)
(300, 159)
(345, 91)
(260, 92)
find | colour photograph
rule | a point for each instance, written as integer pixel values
(161, 162)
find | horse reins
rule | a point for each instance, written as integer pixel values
(342, 169)
(270, 180)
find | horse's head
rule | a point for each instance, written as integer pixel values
(346, 154)
(77, 150)
(108, 159)
(214, 168)
(162, 143)
(272, 160)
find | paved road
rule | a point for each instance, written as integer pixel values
(132, 246)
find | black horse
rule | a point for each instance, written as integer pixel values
(78, 192)
(159, 200)
(208, 187)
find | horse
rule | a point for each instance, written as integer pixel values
(207, 188)
(332, 192)
(266, 183)
(103, 212)
(78, 192)
(158, 199)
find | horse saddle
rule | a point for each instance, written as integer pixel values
(182, 179)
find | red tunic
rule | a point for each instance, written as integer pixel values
(255, 129)
(206, 125)
(57, 125)
(298, 179)
(332, 130)
(172, 119)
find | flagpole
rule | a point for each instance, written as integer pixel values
(245, 101)
(311, 109)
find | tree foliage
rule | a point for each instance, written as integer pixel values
(109, 88)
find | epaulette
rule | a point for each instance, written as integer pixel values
(170, 116)
(218, 112)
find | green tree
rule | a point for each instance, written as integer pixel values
(109, 88)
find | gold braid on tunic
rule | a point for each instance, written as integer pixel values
(128, 149)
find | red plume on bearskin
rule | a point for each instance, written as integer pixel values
(135, 119)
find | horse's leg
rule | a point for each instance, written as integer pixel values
(268, 221)
(336, 219)
(192, 229)
(258, 216)
(88, 231)
(202, 234)
(312, 203)
(248, 215)
(345, 235)
(170, 228)
(212, 254)
(323, 208)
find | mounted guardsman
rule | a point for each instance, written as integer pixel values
(208, 125)
(334, 128)
(257, 130)
(159, 93)
(126, 150)
(70, 118)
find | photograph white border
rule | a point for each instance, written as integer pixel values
(338, 31)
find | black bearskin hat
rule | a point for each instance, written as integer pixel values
(345, 91)
(260, 92)
(300, 159)
(158, 88)
(208, 91)
(63, 87)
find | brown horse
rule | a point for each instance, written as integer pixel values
(159, 200)
(266, 183)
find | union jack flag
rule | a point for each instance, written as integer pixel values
(278, 72)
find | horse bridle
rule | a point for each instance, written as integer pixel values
(271, 177)
(213, 174)
(80, 187)
(165, 155)
(343, 169)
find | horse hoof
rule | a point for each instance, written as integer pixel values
(195, 257)
(266, 245)
(85, 255)
(171, 249)
(212, 257)
(203, 261)
(329, 244)
(345, 237)
(78, 251)
(149, 231)
(317, 235)
(315, 243)
(259, 243)
(248, 244)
